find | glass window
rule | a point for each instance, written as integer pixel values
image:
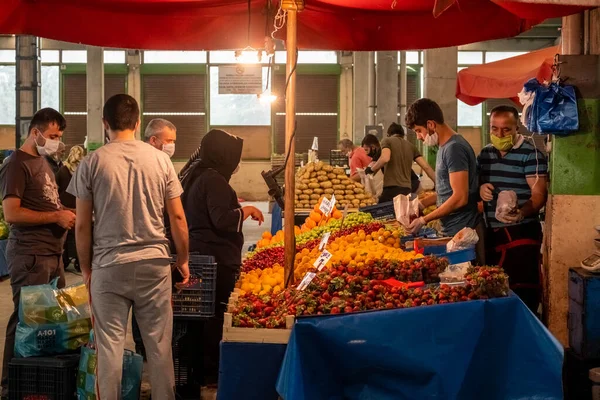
(412, 57)
(50, 87)
(114, 57)
(246, 57)
(470, 57)
(469, 115)
(310, 57)
(8, 98)
(7, 56)
(237, 109)
(492, 56)
(74, 56)
(50, 56)
(174, 57)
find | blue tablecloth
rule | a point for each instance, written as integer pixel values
(493, 349)
(249, 370)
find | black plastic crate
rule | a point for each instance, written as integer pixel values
(43, 378)
(338, 159)
(198, 299)
(384, 211)
(187, 379)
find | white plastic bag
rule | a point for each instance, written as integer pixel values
(507, 205)
(406, 209)
(455, 273)
(466, 238)
(373, 183)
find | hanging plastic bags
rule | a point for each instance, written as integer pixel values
(131, 381)
(52, 321)
(549, 108)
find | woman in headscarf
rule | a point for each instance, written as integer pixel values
(215, 219)
(63, 178)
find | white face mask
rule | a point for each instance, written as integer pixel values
(169, 149)
(49, 148)
(235, 171)
(431, 139)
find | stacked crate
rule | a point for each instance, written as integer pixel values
(583, 322)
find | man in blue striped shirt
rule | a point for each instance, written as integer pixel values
(513, 241)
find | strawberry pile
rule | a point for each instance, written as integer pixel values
(340, 290)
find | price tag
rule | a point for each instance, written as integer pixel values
(325, 206)
(332, 201)
(324, 241)
(306, 280)
(323, 259)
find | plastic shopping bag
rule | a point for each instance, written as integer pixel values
(406, 209)
(466, 238)
(373, 183)
(556, 109)
(506, 205)
(131, 380)
(52, 321)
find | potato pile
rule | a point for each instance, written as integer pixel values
(317, 179)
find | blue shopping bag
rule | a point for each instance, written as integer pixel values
(556, 109)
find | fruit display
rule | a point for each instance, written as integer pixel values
(345, 289)
(262, 281)
(317, 179)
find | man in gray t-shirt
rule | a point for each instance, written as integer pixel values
(126, 186)
(456, 170)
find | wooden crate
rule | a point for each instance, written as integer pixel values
(254, 335)
(278, 160)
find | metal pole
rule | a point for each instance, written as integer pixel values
(292, 7)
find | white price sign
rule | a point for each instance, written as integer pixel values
(324, 241)
(306, 280)
(327, 205)
(323, 259)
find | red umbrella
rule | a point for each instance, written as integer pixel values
(505, 78)
(223, 24)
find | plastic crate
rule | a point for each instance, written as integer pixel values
(186, 384)
(455, 257)
(41, 378)
(383, 211)
(197, 300)
(584, 313)
(338, 159)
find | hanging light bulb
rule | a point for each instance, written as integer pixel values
(266, 97)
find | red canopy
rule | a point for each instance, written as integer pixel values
(505, 78)
(223, 24)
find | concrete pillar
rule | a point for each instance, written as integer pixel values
(95, 97)
(403, 82)
(134, 80)
(346, 95)
(440, 67)
(371, 87)
(573, 207)
(361, 104)
(28, 83)
(387, 88)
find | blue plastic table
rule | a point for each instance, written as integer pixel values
(495, 349)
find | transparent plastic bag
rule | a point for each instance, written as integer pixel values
(406, 209)
(455, 273)
(466, 238)
(506, 205)
(51, 320)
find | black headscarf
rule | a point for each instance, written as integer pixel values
(220, 151)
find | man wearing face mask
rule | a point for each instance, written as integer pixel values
(161, 134)
(38, 220)
(513, 240)
(456, 170)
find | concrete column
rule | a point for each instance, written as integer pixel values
(371, 87)
(387, 88)
(95, 97)
(403, 82)
(134, 80)
(28, 83)
(440, 67)
(361, 104)
(572, 33)
(346, 95)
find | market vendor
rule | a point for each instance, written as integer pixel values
(397, 156)
(457, 188)
(513, 240)
(357, 157)
(215, 219)
(162, 135)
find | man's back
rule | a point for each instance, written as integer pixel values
(129, 183)
(398, 169)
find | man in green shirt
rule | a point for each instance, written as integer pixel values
(398, 155)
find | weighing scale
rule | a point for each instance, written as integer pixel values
(592, 262)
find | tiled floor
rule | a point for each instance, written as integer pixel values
(252, 233)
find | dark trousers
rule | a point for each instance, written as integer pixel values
(389, 192)
(26, 270)
(517, 250)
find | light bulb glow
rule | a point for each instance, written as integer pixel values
(267, 98)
